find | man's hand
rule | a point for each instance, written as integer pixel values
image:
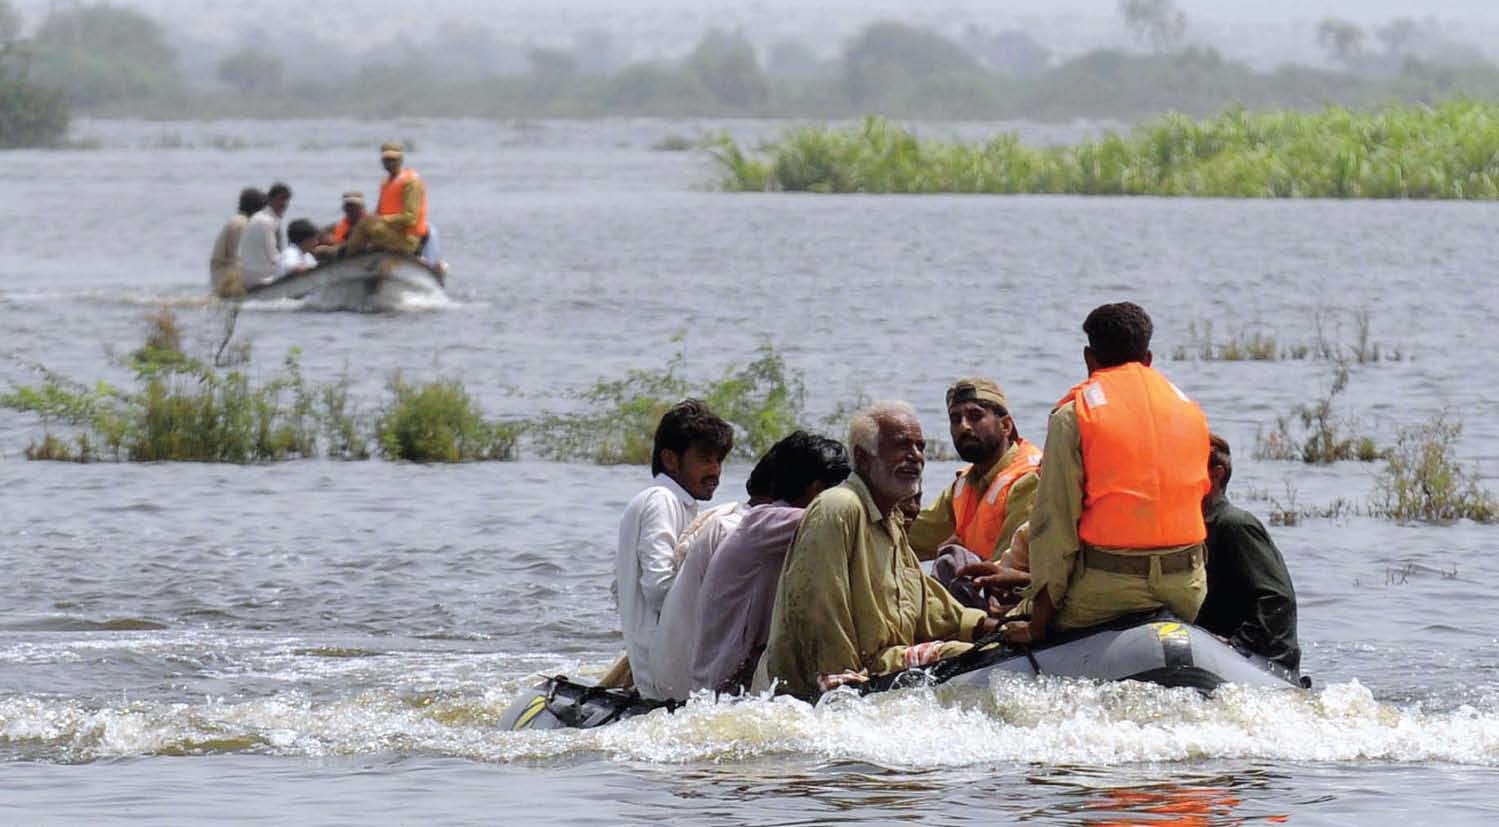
(827, 682)
(996, 577)
(1021, 631)
(987, 626)
(922, 654)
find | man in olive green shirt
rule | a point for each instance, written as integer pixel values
(1065, 593)
(391, 231)
(852, 600)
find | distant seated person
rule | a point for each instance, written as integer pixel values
(400, 220)
(260, 243)
(972, 522)
(852, 600)
(336, 235)
(738, 589)
(301, 236)
(1251, 602)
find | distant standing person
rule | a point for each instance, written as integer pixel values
(260, 246)
(400, 221)
(1251, 602)
(223, 264)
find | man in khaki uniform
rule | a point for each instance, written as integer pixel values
(399, 213)
(1117, 525)
(852, 600)
(974, 519)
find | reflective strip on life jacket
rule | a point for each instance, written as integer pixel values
(979, 521)
(1145, 459)
(392, 199)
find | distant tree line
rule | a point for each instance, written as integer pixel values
(31, 114)
(110, 60)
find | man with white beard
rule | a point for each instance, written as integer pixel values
(852, 600)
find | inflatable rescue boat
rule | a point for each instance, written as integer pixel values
(1157, 648)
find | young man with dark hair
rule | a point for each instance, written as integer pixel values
(690, 445)
(302, 236)
(671, 657)
(1117, 527)
(739, 587)
(260, 244)
(1251, 602)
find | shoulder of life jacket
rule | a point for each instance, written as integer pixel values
(392, 194)
(1145, 452)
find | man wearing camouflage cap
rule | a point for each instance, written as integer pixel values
(975, 518)
(400, 221)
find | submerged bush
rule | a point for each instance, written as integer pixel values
(762, 400)
(183, 409)
(1445, 152)
(1323, 436)
(1423, 479)
(439, 422)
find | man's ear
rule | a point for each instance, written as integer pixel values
(1089, 359)
(1148, 357)
(671, 461)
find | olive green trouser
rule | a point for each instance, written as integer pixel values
(374, 233)
(1097, 596)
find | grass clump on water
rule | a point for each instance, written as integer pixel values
(1423, 480)
(763, 400)
(1316, 434)
(183, 409)
(1449, 151)
(440, 422)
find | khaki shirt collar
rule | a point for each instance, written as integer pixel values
(857, 485)
(995, 470)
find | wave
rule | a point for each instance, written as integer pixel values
(1020, 720)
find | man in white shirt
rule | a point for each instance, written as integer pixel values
(671, 658)
(691, 443)
(260, 244)
(302, 235)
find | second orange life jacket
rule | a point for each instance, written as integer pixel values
(1145, 460)
(979, 520)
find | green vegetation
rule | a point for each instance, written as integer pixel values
(1250, 344)
(762, 400)
(1423, 479)
(1315, 434)
(1451, 151)
(101, 54)
(439, 422)
(185, 410)
(113, 60)
(31, 114)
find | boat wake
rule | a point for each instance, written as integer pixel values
(1015, 719)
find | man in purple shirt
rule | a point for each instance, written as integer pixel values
(739, 588)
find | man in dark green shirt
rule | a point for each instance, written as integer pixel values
(1250, 602)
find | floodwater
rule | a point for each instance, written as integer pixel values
(333, 642)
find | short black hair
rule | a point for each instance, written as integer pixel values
(690, 423)
(1118, 333)
(251, 201)
(807, 458)
(300, 230)
(277, 190)
(1219, 454)
(762, 478)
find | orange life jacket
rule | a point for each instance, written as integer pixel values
(392, 192)
(1145, 460)
(341, 229)
(979, 521)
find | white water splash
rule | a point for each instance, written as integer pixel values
(1046, 721)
